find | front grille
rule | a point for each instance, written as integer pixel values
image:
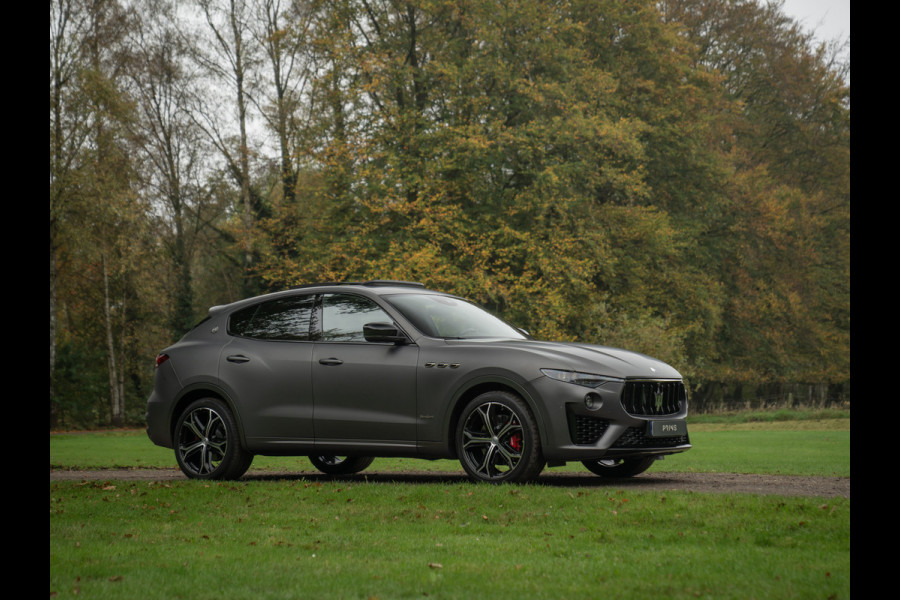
(653, 398)
(636, 437)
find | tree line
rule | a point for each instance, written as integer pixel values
(671, 177)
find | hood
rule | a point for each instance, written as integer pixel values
(587, 358)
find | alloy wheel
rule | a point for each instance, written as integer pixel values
(203, 440)
(493, 440)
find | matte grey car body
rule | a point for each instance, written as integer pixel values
(343, 373)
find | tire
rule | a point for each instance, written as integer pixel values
(619, 467)
(207, 445)
(497, 439)
(341, 465)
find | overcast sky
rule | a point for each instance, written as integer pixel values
(829, 18)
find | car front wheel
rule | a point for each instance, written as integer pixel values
(341, 465)
(207, 444)
(619, 467)
(497, 439)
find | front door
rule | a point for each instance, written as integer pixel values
(364, 393)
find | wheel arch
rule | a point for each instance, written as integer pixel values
(485, 384)
(196, 392)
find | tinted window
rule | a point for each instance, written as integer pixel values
(440, 316)
(282, 319)
(343, 317)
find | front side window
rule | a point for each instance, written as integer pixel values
(281, 319)
(343, 317)
(451, 318)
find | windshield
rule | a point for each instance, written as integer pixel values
(443, 317)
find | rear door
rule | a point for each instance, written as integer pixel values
(266, 368)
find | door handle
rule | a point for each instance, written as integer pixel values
(330, 361)
(237, 358)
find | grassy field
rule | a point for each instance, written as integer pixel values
(317, 539)
(790, 447)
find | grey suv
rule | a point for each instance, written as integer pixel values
(346, 372)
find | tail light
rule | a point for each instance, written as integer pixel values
(161, 358)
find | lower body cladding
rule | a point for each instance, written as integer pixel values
(587, 424)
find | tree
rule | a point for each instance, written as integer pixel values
(786, 262)
(486, 153)
(229, 58)
(171, 146)
(98, 225)
(68, 131)
(281, 30)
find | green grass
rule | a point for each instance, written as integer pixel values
(795, 447)
(773, 415)
(313, 538)
(301, 539)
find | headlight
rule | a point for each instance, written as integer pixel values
(586, 379)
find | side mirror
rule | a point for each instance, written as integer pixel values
(384, 333)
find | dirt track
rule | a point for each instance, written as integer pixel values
(725, 483)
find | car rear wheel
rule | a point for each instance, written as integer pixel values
(619, 467)
(341, 465)
(497, 439)
(207, 444)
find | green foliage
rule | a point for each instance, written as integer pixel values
(81, 389)
(587, 172)
(670, 177)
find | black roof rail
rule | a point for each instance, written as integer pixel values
(320, 284)
(374, 282)
(370, 283)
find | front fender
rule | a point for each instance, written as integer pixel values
(451, 400)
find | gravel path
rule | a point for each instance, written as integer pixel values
(726, 483)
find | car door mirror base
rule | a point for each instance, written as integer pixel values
(384, 333)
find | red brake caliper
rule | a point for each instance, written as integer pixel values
(516, 442)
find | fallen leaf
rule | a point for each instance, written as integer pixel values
(436, 565)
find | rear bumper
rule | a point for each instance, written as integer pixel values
(158, 429)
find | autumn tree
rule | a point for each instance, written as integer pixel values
(671, 177)
(786, 259)
(494, 153)
(69, 128)
(97, 217)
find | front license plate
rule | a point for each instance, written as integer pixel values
(667, 428)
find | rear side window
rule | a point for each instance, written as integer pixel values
(281, 319)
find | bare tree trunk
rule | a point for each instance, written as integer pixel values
(115, 402)
(243, 150)
(121, 363)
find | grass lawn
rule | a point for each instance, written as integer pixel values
(298, 538)
(797, 447)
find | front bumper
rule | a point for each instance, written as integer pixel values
(576, 432)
